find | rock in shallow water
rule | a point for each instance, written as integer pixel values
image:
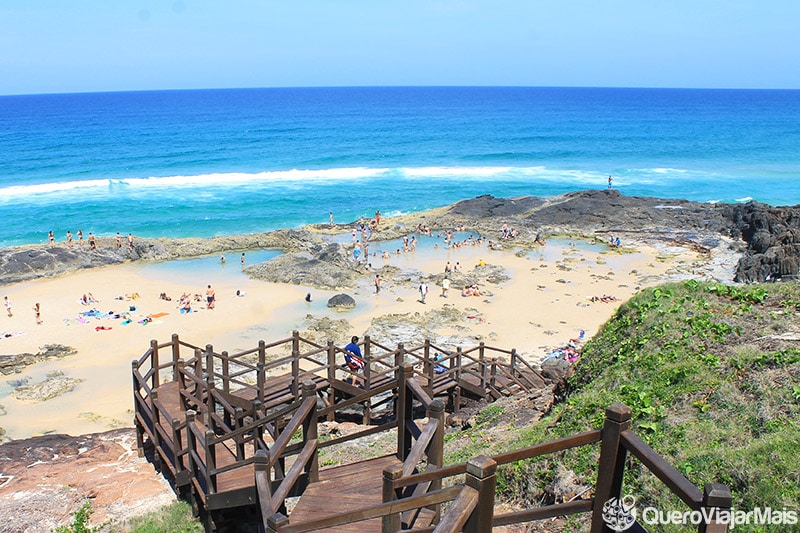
(341, 302)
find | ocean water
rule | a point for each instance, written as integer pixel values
(217, 162)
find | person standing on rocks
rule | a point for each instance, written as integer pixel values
(51, 237)
(92, 242)
(69, 239)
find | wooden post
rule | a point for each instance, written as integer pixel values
(296, 364)
(261, 380)
(295, 374)
(191, 443)
(716, 498)
(226, 372)
(310, 431)
(514, 361)
(427, 367)
(211, 460)
(262, 352)
(137, 410)
(367, 376)
(612, 462)
(209, 363)
(176, 354)
(399, 359)
(180, 378)
(391, 522)
(154, 364)
(493, 373)
(198, 363)
(482, 363)
(263, 485)
(153, 398)
(436, 415)
(177, 443)
(404, 411)
(211, 406)
(481, 476)
(276, 522)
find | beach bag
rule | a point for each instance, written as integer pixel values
(353, 363)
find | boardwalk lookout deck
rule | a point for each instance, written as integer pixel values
(237, 435)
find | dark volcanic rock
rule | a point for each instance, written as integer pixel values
(342, 301)
(772, 235)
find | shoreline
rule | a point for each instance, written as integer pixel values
(561, 278)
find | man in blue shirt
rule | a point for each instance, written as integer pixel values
(353, 358)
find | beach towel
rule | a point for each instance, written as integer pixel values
(82, 320)
(353, 363)
(101, 328)
(158, 315)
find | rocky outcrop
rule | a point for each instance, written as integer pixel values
(341, 302)
(46, 479)
(54, 385)
(770, 233)
(773, 241)
(10, 364)
(322, 265)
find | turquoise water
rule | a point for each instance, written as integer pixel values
(198, 269)
(219, 162)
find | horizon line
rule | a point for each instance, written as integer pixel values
(302, 87)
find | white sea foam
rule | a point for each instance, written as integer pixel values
(45, 188)
(299, 177)
(745, 199)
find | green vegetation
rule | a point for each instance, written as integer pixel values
(712, 373)
(80, 521)
(174, 518)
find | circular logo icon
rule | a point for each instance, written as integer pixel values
(619, 514)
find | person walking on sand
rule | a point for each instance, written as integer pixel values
(210, 297)
(445, 286)
(242, 258)
(38, 312)
(423, 291)
(377, 283)
(8, 307)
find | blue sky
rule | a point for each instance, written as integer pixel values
(107, 45)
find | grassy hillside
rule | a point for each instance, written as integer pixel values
(712, 373)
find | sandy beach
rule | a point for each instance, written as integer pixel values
(546, 302)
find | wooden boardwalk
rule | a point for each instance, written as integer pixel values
(238, 433)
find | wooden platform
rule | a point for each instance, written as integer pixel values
(344, 489)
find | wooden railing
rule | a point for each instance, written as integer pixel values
(217, 437)
(474, 513)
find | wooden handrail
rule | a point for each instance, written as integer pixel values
(293, 474)
(419, 448)
(305, 409)
(549, 511)
(677, 483)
